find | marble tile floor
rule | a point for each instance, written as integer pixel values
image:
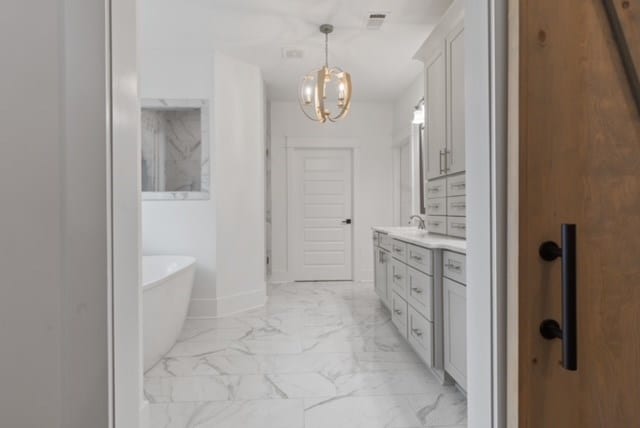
(318, 355)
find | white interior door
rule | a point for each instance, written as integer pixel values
(320, 209)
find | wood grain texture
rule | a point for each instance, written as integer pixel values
(621, 19)
(579, 163)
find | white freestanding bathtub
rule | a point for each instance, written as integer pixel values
(167, 282)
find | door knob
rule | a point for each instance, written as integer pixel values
(551, 329)
(347, 221)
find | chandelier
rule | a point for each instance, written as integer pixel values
(325, 94)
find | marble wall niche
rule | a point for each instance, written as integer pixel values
(175, 149)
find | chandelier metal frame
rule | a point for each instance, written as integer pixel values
(312, 92)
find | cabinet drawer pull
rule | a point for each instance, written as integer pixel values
(453, 266)
(458, 226)
(459, 205)
(397, 311)
(434, 223)
(416, 290)
(398, 277)
(416, 258)
(458, 186)
(434, 206)
(434, 190)
(397, 250)
(416, 332)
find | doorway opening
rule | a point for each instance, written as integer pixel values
(214, 327)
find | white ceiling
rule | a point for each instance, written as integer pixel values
(256, 31)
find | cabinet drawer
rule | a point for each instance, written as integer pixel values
(437, 224)
(399, 315)
(436, 188)
(457, 185)
(420, 335)
(398, 277)
(420, 292)
(399, 250)
(454, 266)
(437, 206)
(457, 226)
(420, 258)
(384, 241)
(457, 206)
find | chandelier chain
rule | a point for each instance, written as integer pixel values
(326, 50)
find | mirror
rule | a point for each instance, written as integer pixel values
(421, 156)
(175, 149)
(418, 124)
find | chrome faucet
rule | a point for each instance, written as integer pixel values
(421, 224)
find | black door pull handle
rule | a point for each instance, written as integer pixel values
(551, 329)
(347, 221)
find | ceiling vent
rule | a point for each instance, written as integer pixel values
(292, 53)
(376, 19)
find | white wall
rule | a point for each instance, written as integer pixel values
(239, 177)
(371, 125)
(223, 233)
(485, 85)
(182, 227)
(131, 410)
(54, 262)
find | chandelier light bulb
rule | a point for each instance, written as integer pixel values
(307, 95)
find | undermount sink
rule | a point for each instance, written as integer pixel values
(409, 231)
(416, 232)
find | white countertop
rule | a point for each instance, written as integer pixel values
(424, 239)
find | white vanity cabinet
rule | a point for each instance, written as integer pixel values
(445, 140)
(454, 300)
(424, 289)
(404, 282)
(444, 65)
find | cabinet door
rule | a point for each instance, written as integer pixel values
(380, 274)
(455, 331)
(399, 316)
(435, 105)
(398, 279)
(420, 335)
(420, 292)
(455, 85)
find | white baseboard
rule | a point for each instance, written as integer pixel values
(279, 276)
(364, 275)
(203, 308)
